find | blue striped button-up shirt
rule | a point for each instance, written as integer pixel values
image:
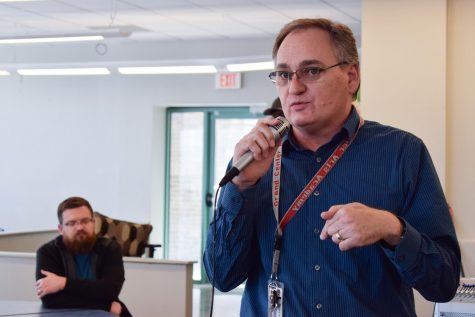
(384, 168)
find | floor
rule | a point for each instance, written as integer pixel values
(225, 304)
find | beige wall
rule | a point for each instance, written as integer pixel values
(417, 68)
(461, 114)
(419, 77)
(404, 69)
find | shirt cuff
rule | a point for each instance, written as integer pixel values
(405, 253)
(408, 248)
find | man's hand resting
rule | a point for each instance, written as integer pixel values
(116, 308)
(49, 284)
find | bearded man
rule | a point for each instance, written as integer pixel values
(77, 269)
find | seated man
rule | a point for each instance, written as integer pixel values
(78, 269)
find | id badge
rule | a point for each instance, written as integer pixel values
(275, 298)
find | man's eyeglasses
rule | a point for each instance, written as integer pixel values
(305, 75)
(83, 222)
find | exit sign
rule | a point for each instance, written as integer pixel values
(226, 80)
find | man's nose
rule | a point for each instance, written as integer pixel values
(295, 84)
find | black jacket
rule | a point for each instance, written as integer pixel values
(78, 293)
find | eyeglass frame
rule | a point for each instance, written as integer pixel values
(299, 76)
(82, 221)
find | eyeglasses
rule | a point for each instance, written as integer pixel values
(83, 222)
(305, 75)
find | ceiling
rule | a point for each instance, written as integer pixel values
(145, 23)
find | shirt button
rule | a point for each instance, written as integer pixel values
(316, 231)
(319, 306)
(316, 193)
(319, 159)
(317, 267)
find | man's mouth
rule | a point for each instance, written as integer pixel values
(81, 234)
(298, 104)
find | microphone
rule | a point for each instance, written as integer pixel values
(279, 131)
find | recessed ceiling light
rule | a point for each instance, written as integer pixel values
(246, 67)
(63, 71)
(167, 70)
(54, 39)
(19, 0)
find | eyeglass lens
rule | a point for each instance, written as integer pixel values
(73, 223)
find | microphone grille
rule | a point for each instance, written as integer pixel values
(283, 126)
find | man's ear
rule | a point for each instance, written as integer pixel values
(354, 78)
(60, 229)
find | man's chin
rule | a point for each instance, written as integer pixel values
(81, 243)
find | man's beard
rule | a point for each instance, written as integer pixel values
(80, 243)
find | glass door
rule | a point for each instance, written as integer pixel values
(200, 143)
(231, 131)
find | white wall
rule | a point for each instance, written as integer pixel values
(98, 137)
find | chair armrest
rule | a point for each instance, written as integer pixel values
(151, 249)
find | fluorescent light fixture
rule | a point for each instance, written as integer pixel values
(250, 66)
(51, 39)
(204, 69)
(4, 72)
(19, 0)
(63, 71)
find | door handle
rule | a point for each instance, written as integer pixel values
(209, 200)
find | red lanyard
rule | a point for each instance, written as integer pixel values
(309, 188)
(302, 197)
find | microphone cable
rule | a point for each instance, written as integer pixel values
(213, 255)
(279, 131)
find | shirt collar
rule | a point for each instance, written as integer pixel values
(352, 123)
(348, 130)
